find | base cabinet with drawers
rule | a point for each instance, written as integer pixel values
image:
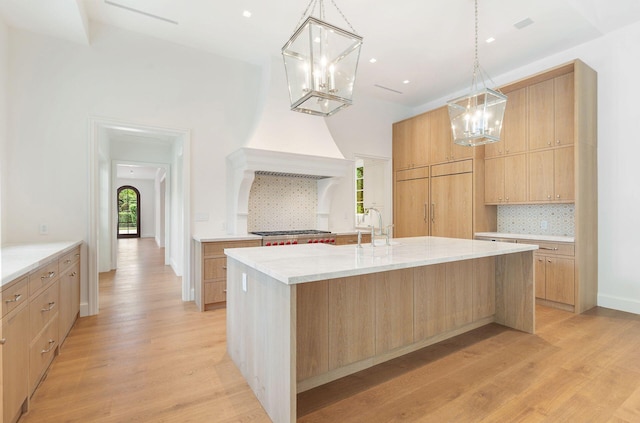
(38, 310)
(211, 271)
(555, 273)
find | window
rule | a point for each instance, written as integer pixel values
(360, 190)
(128, 212)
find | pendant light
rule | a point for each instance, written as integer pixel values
(476, 118)
(321, 61)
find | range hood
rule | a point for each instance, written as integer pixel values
(243, 164)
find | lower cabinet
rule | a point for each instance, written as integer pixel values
(211, 274)
(555, 279)
(352, 239)
(38, 311)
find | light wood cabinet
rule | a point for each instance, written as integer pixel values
(551, 175)
(394, 310)
(555, 272)
(452, 206)
(513, 139)
(15, 362)
(506, 179)
(411, 208)
(211, 274)
(411, 142)
(551, 112)
(441, 146)
(352, 239)
(31, 308)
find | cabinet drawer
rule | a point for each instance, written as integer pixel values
(69, 259)
(215, 292)
(217, 248)
(417, 173)
(464, 166)
(43, 277)
(41, 352)
(214, 268)
(15, 295)
(43, 309)
(552, 248)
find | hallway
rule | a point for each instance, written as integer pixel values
(147, 357)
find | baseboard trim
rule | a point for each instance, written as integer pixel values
(619, 303)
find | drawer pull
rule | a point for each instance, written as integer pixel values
(547, 248)
(67, 261)
(52, 304)
(78, 255)
(48, 275)
(15, 299)
(2, 341)
(224, 267)
(51, 344)
(72, 274)
(224, 290)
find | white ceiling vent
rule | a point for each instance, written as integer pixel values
(523, 23)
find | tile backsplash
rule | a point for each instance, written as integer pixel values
(282, 203)
(559, 219)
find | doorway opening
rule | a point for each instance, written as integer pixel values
(128, 212)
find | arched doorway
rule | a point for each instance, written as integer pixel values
(128, 212)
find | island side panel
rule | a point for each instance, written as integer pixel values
(515, 298)
(261, 337)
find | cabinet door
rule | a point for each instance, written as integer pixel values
(494, 180)
(541, 115)
(401, 140)
(64, 300)
(540, 277)
(420, 137)
(563, 170)
(15, 362)
(563, 105)
(452, 206)
(541, 169)
(514, 127)
(412, 199)
(458, 293)
(515, 178)
(440, 140)
(560, 280)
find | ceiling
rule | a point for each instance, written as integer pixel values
(127, 171)
(426, 42)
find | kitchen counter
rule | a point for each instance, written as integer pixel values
(550, 238)
(307, 263)
(19, 259)
(223, 237)
(304, 315)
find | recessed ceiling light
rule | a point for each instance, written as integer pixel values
(373, 60)
(406, 81)
(523, 23)
(490, 40)
(246, 14)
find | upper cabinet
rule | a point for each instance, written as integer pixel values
(411, 142)
(441, 146)
(550, 111)
(514, 126)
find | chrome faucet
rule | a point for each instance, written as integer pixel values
(373, 228)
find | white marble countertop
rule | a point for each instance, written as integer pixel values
(19, 259)
(551, 238)
(224, 237)
(312, 262)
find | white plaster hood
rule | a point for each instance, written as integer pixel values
(283, 142)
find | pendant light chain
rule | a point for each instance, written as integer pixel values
(476, 61)
(311, 7)
(343, 16)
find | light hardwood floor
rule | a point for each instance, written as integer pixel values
(149, 357)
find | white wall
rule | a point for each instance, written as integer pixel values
(616, 59)
(4, 59)
(147, 205)
(56, 85)
(160, 192)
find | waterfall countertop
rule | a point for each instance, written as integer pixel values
(19, 259)
(307, 263)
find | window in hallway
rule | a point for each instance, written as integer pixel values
(128, 212)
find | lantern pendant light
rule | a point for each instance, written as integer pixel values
(476, 118)
(321, 61)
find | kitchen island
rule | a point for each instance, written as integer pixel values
(301, 316)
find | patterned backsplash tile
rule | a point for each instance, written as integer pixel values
(282, 203)
(559, 219)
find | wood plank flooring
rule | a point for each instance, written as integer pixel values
(149, 357)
